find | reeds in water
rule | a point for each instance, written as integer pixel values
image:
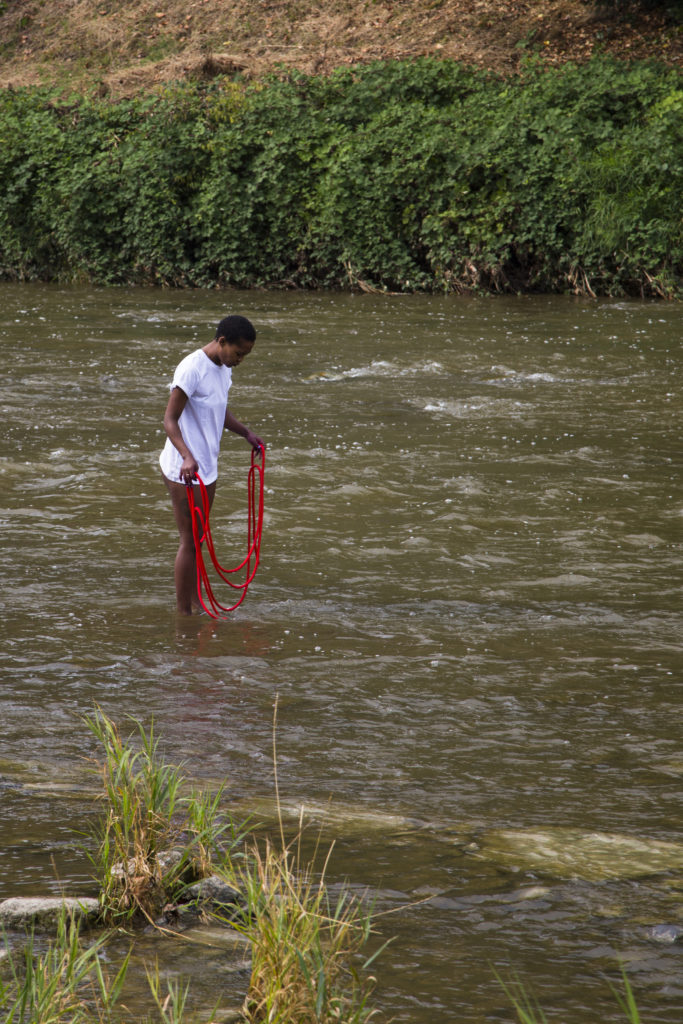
(529, 1011)
(154, 835)
(306, 943)
(65, 984)
(307, 966)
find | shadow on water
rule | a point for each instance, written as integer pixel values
(468, 605)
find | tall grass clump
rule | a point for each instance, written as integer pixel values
(306, 944)
(154, 836)
(65, 984)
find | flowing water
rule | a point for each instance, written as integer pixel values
(468, 607)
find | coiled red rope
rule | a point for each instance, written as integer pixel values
(201, 532)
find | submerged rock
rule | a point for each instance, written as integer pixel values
(574, 853)
(43, 912)
(667, 933)
(343, 819)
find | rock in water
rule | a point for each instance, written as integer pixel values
(42, 912)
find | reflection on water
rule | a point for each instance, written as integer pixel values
(468, 605)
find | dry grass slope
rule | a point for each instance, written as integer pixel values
(122, 47)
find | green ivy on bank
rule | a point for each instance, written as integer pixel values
(397, 175)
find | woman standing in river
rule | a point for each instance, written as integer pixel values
(195, 417)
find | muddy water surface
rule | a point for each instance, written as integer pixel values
(468, 606)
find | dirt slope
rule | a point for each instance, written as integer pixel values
(124, 46)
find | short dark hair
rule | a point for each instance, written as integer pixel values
(236, 328)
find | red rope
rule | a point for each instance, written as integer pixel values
(201, 532)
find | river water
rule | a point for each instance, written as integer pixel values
(468, 607)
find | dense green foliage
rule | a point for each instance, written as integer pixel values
(398, 175)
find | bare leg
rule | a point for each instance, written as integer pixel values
(185, 569)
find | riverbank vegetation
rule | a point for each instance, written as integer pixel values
(396, 176)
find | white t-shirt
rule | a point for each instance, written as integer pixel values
(201, 421)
